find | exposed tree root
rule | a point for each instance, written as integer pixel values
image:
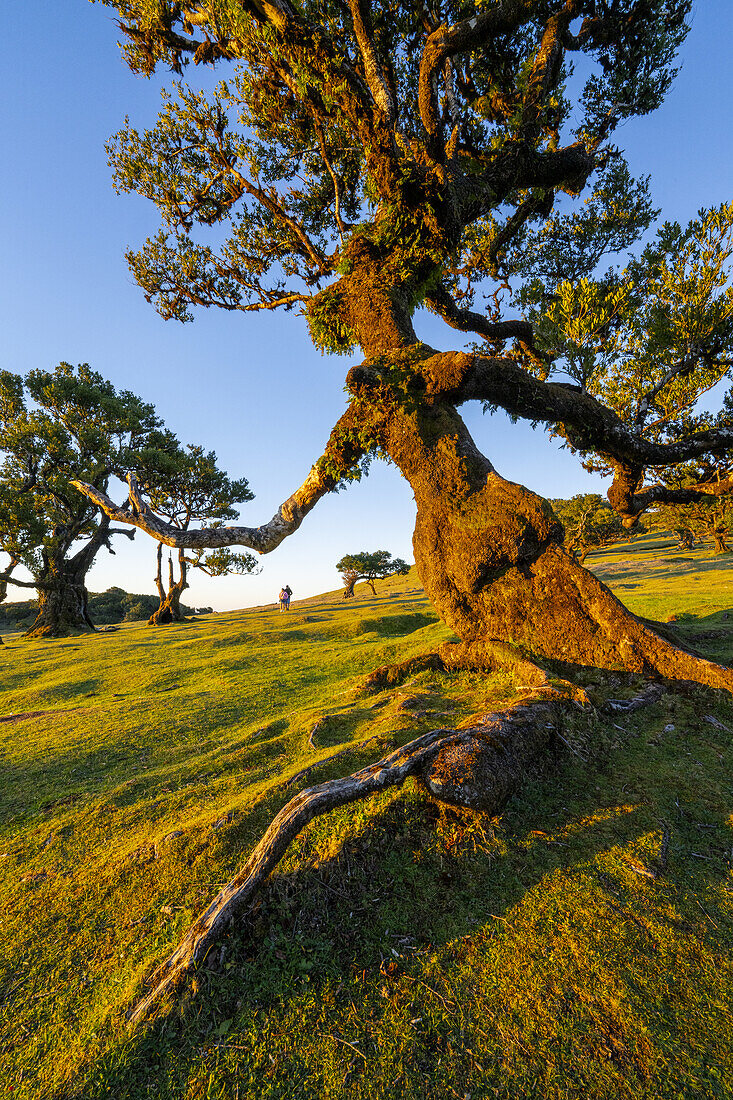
(491, 654)
(650, 694)
(476, 768)
(299, 811)
(485, 655)
(391, 675)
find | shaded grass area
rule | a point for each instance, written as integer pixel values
(657, 580)
(578, 946)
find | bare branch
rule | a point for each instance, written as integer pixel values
(341, 455)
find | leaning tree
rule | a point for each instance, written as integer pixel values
(56, 426)
(360, 161)
(369, 566)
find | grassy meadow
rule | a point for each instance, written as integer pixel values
(578, 946)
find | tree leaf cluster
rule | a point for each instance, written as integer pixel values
(650, 341)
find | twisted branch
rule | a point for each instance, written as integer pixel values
(341, 455)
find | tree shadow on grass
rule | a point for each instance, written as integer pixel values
(365, 930)
(712, 633)
(30, 787)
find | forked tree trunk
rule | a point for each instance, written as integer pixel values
(489, 554)
(63, 600)
(169, 610)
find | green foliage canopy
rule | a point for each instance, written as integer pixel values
(437, 137)
(369, 566)
(57, 426)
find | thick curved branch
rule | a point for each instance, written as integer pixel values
(639, 502)
(6, 579)
(547, 65)
(447, 42)
(466, 320)
(586, 423)
(372, 69)
(341, 455)
(264, 539)
(567, 168)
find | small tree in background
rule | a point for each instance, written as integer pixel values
(369, 567)
(185, 486)
(589, 522)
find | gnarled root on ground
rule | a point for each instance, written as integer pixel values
(391, 675)
(477, 768)
(485, 655)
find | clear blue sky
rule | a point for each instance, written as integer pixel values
(251, 387)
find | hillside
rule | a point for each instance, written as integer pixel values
(580, 945)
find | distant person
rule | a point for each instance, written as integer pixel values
(288, 594)
(283, 600)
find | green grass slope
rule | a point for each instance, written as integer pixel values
(579, 946)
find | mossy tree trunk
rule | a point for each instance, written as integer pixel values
(63, 600)
(63, 607)
(489, 551)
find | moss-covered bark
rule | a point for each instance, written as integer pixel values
(62, 609)
(489, 551)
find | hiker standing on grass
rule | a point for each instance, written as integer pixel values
(282, 600)
(288, 593)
